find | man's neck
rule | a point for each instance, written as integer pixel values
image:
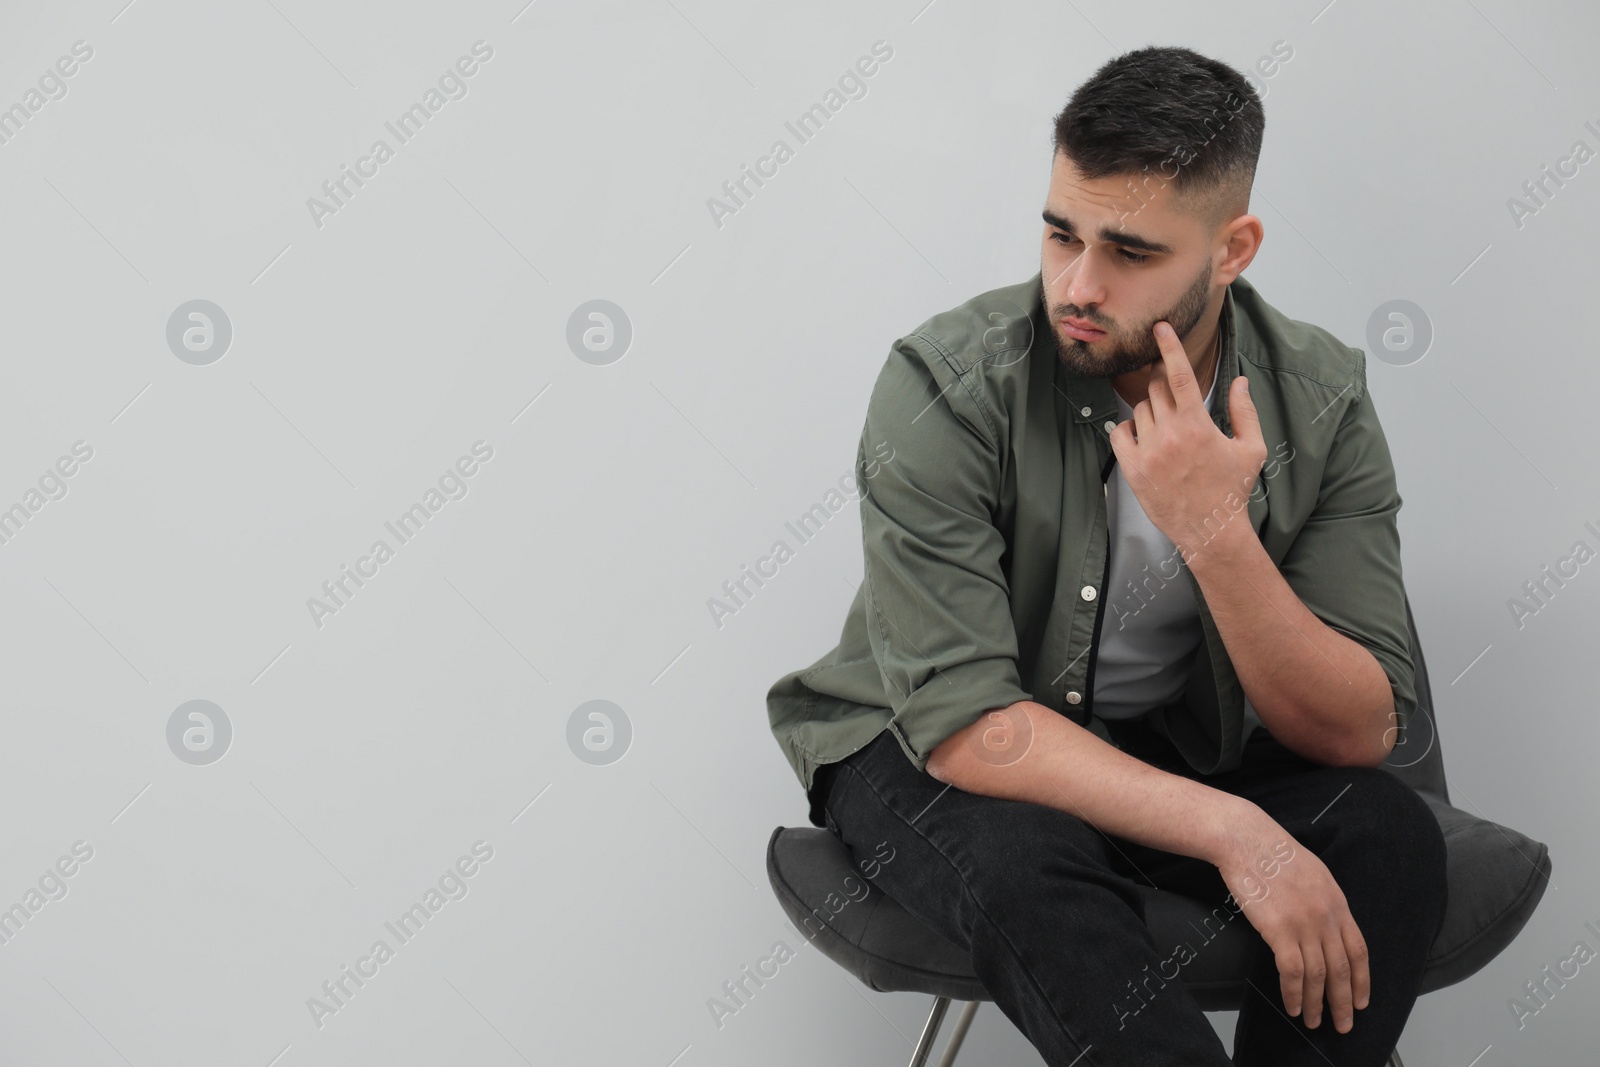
(1208, 375)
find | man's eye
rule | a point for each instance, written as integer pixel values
(1127, 256)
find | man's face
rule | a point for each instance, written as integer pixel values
(1156, 265)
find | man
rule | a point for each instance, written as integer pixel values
(1032, 707)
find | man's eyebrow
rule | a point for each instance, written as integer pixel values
(1110, 236)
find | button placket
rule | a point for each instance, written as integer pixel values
(1075, 680)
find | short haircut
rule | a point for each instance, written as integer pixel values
(1168, 115)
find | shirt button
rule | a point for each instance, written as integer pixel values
(1110, 426)
(1074, 697)
(1084, 411)
(1088, 592)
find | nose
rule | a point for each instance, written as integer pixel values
(1084, 288)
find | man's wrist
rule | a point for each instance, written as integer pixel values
(1221, 548)
(1230, 822)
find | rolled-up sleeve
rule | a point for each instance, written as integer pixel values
(938, 606)
(1345, 562)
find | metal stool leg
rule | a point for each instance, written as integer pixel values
(930, 1030)
(963, 1022)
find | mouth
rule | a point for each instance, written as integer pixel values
(1082, 330)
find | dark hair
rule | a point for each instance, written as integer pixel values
(1156, 111)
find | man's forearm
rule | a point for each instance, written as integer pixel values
(1070, 768)
(1321, 694)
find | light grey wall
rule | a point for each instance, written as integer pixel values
(372, 346)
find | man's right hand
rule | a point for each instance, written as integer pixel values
(1290, 897)
(1038, 755)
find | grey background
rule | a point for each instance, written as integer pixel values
(431, 312)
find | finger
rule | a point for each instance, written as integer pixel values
(1180, 372)
(1144, 419)
(1159, 395)
(1291, 980)
(1355, 947)
(1121, 440)
(1337, 983)
(1316, 972)
(1130, 457)
(1242, 413)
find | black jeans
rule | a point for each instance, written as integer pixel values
(1050, 910)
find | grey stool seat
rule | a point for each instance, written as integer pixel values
(1497, 877)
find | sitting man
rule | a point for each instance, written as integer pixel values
(1042, 699)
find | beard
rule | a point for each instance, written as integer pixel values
(1120, 352)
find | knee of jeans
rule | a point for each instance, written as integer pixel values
(1391, 814)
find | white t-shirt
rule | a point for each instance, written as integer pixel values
(1151, 627)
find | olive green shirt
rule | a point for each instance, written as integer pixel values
(986, 547)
